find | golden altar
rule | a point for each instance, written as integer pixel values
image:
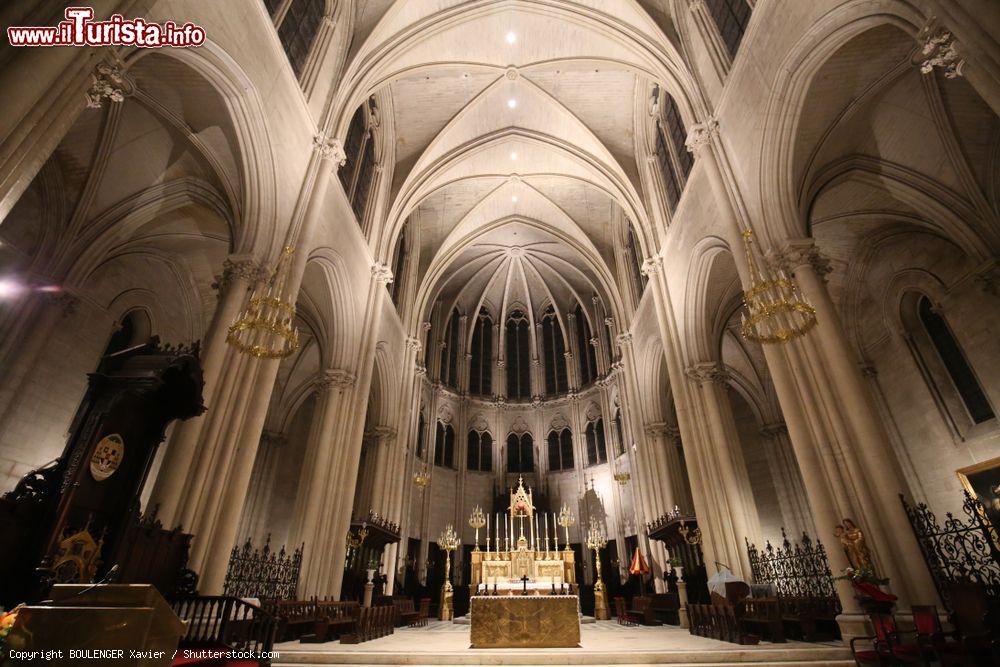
(549, 621)
(522, 551)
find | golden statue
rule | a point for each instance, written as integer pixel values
(853, 541)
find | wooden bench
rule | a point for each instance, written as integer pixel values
(666, 608)
(373, 622)
(762, 616)
(295, 617)
(625, 616)
(333, 619)
(810, 619)
(718, 621)
(642, 609)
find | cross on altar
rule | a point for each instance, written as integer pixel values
(525, 580)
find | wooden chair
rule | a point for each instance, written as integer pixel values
(887, 645)
(621, 612)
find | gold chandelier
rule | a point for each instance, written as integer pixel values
(622, 477)
(265, 328)
(422, 477)
(775, 310)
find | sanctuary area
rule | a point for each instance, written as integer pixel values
(500, 332)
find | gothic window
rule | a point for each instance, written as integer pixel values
(635, 260)
(298, 30)
(520, 453)
(588, 355)
(518, 358)
(352, 150)
(554, 349)
(398, 266)
(481, 372)
(480, 452)
(959, 371)
(731, 18)
(596, 447)
(671, 182)
(358, 170)
(449, 354)
(671, 153)
(444, 446)
(421, 435)
(619, 433)
(363, 186)
(560, 449)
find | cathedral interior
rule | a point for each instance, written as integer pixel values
(675, 309)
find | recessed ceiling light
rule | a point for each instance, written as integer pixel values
(512, 103)
(513, 156)
(511, 37)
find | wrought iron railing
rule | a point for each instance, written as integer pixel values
(262, 573)
(963, 549)
(794, 569)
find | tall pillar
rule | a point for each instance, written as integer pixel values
(792, 499)
(730, 482)
(861, 443)
(183, 456)
(253, 523)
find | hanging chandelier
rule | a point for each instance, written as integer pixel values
(422, 478)
(776, 312)
(265, 328)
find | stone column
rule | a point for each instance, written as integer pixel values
(253, 524)
(861, 442)
(333, 511)
(728, 474)
(384, 442)
(795, 513)
(182, 459)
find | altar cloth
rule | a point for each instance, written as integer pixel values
(545, 621)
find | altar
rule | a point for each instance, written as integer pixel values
(551, 621)
(522, 552)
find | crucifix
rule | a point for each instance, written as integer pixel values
(524, 581)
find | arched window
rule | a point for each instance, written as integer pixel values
(520, 453)
(298, 30)
(731, 18)
(560, 450)
(480, 452)
(619, 433)
(481, 372)
(554, 349)
(597, 451)
(444, 446)
(398, 266)
(588, 354)
(951, 356)
(358, 171)
(671, 152)
(635, 261)
(134, 329)
(421, 435)
(518, 357)
(449, 353)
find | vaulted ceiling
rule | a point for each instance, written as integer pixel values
(514, 128)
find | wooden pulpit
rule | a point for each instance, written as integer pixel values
(130, 625)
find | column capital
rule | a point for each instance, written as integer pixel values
(384, 434)
(624, 338)
(938, 49)
(333, 378)
(987, 278)
(413, 343)
(707, 372)
(273, 438)
(420, 370)
(571, 316)
(651, 265)
(774, 429)
(654, 429)
(111, 81)
(240, 267)
(608, 321)
(700, 135)
(330, 148)
(797, 253)
(593, 341)
(426, 326)
(381, 273)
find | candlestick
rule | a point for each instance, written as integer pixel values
(487, 534)
(555, 532)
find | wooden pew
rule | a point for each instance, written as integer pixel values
(666, 608)
(642, 609)
(333, 619)
(761, 616)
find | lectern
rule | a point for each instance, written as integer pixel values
(88, 622)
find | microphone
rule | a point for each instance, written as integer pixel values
(108, 578)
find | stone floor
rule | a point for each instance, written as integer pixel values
(602, 643)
